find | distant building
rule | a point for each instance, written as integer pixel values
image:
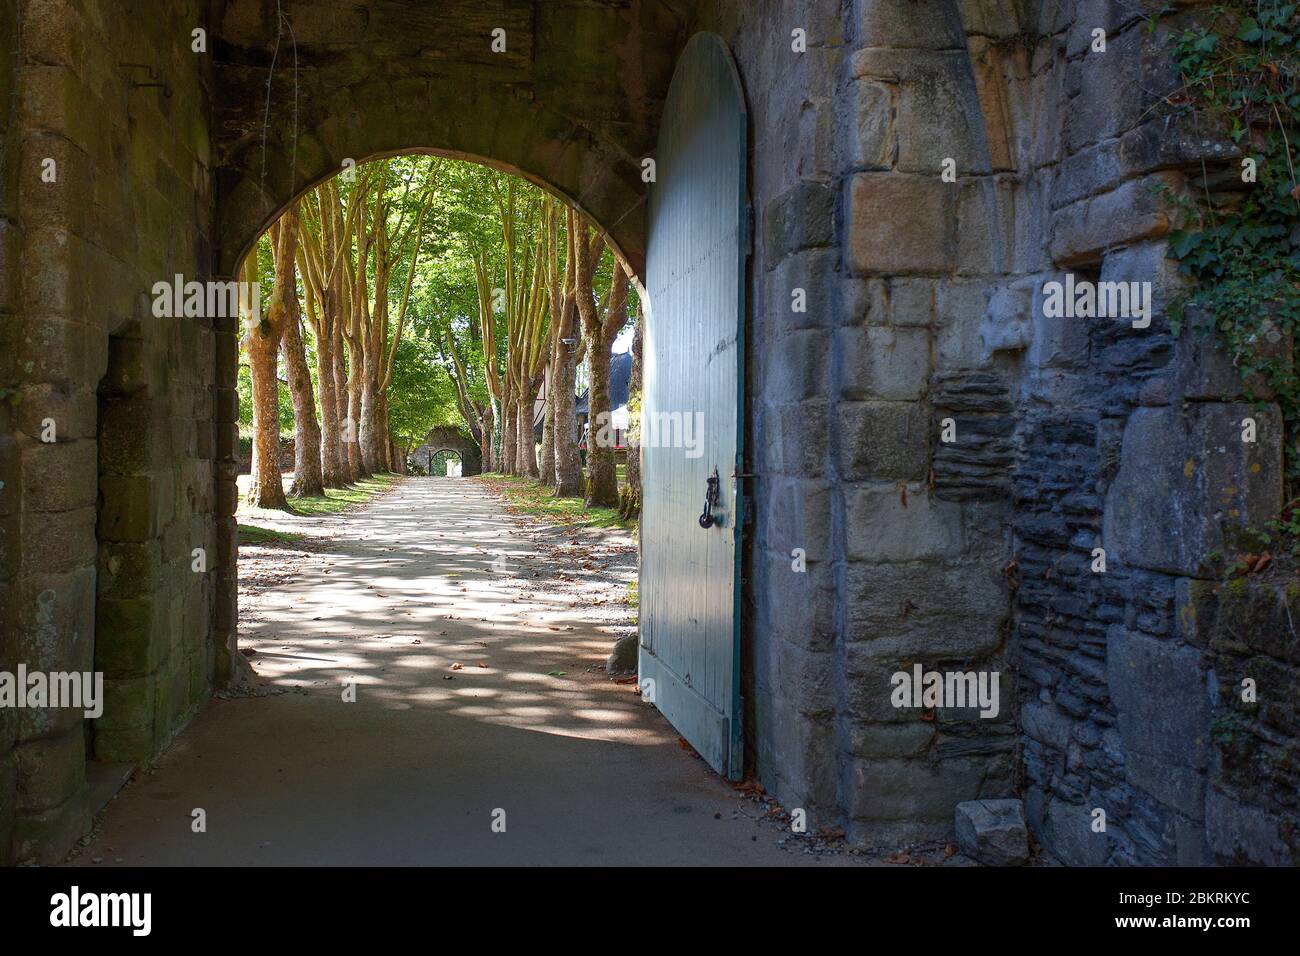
(620, 381)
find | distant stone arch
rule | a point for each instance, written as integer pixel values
(450, 438)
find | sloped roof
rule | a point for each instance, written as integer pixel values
(620, 381)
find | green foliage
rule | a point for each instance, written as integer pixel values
(421, 395)
(1240, 240)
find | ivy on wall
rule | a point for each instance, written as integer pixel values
(1240, 235)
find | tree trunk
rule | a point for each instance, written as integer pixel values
(509, 433)
(308, 480)
(630, 504)
(263, 343)
(333, 474)
(485, 438)
(347, 436)
(372, 439)
(352, 428)
(568, 463)
(526, 444)
(266, 489)
(602, 473)
(386, 441)
(546, 471)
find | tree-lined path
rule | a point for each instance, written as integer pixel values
(393, 596)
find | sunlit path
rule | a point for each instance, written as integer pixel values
(427, 577)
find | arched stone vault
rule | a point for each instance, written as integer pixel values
(572, 103)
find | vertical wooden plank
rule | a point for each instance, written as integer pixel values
(693, 376)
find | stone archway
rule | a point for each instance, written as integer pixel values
(380, 78)
(570, 101)
(450, 438)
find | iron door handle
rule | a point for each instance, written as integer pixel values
(707, 518)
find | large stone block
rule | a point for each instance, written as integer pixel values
(1181, 140)
(46, 346)
(883, 526)
(128, 510)
(1083, 231)
(1115, 89)
(911, 302)
(44, 837)
(1159, 692)
(52, 618)
(50, 771)
(128, 703)
(799, 608)
(806, 677)
(882, 362)
(72, 410)
(797, 365)
(802, 217)
(993, 831)
(1188, 484)
(797, 759)
(1204, 369)
(67, 540)
(1243, 835)
(872, 140)
(928, 24)
(918, 611)
(884, 240)
(986, 225)
(126, 643)
(884, 440)
(814, 271)
(923, 793)
(938, 107)
(961, 308)
(796, 439)
(798, 515)
(910, 739)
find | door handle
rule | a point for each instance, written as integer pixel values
(707, 518)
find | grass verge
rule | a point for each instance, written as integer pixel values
(530, 497)
(336, 500)
(252, 534)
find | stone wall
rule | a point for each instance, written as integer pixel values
(925, 307)
(130, 205)
(905, 546)
(1246, 634)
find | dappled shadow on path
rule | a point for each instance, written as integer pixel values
(434, 576)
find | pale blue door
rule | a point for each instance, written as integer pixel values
(693, 401)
